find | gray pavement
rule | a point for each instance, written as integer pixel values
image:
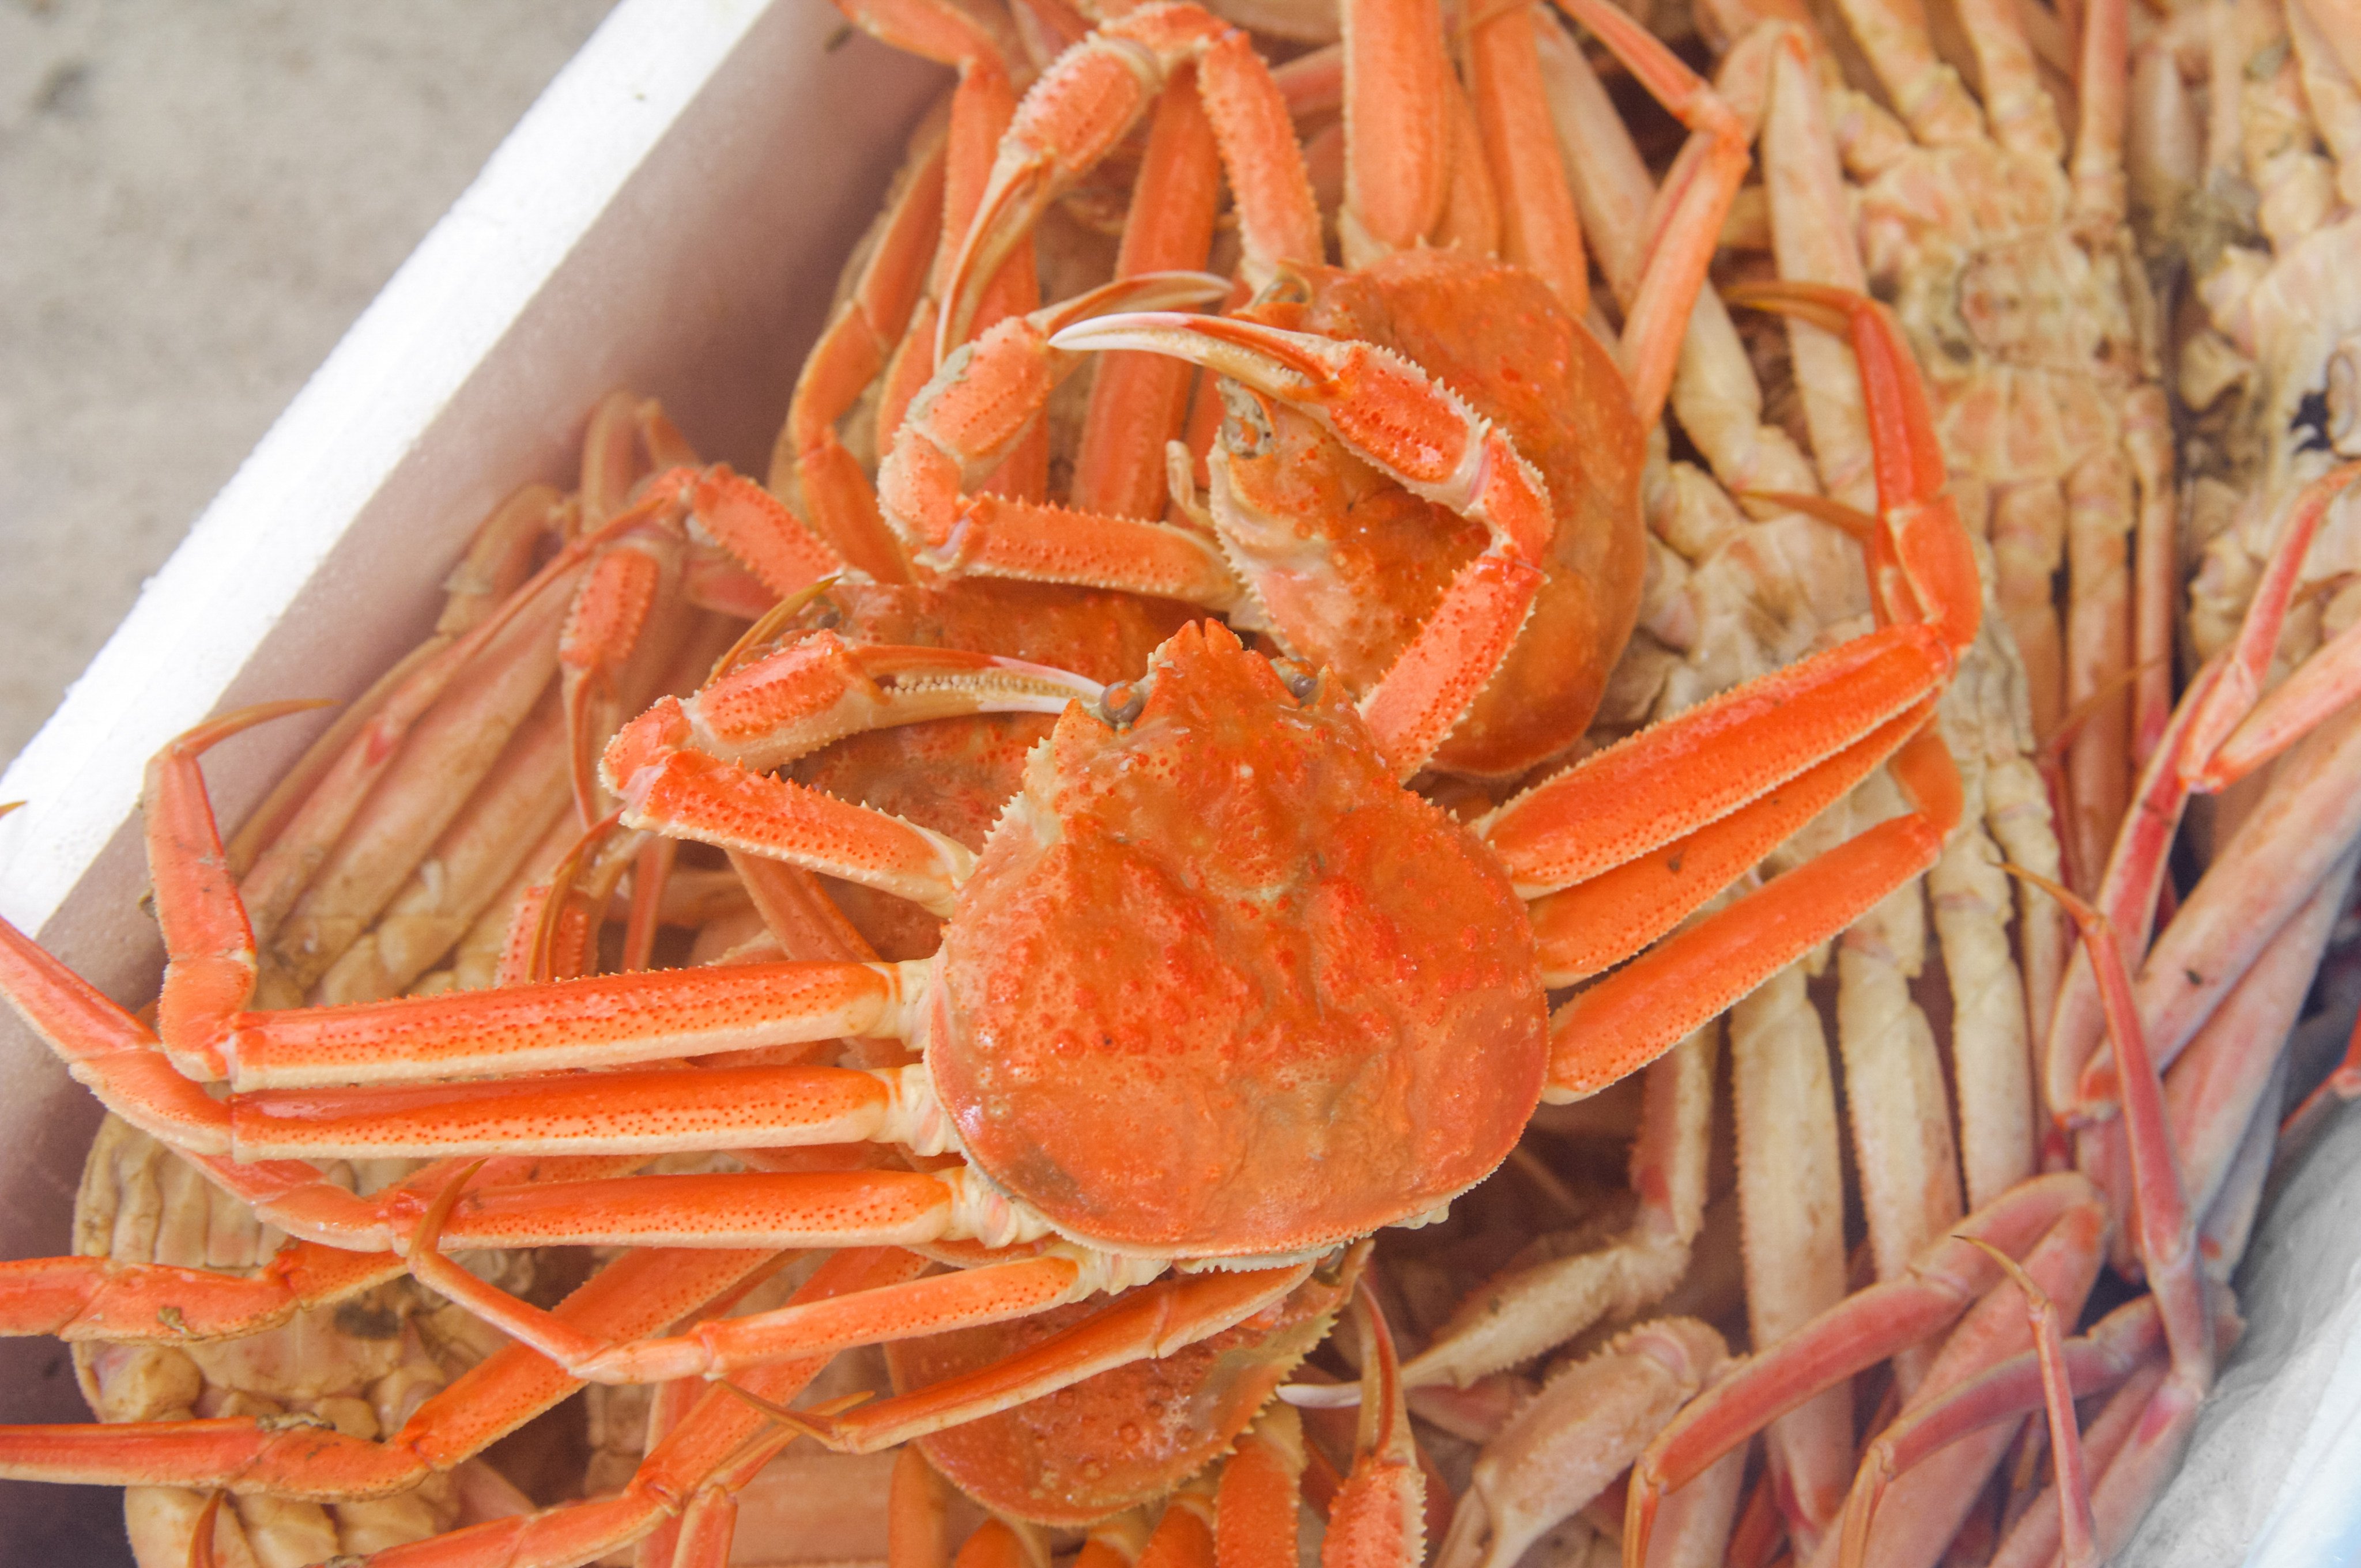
(196, 199)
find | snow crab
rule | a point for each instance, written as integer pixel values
(1247, 819)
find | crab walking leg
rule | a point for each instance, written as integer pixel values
(978, 405)
(1862, 1329)
(638, 1293)
(1588, 928)
(1932, 1500)
(1398, 168)
(465, 870)
(445, 756)
(1261, 1493)
(810, 464)
(709, 1440)
(836, 1208)
(1422, 435)
(1894, 1088)
(2052, 1375)
(2034, 1540)
(435, 715)
(1378, 1519)
(1541, 229)
(1812, 239)
(114, 1055)
(1992, 1070)
(2099, 519)
(1697, 195)
(1714, 394)
(1138, 402)
(643, 1111)
(1522, 1314)
(918, 1513)
(2156, 556)
(2213, 1092)
(2222, 698)
(2017, 810)
(1623, 802)
(1087, 102)
(1153, 1320)
(2168, 1249)
(1586, 1425)
(2286, 845)
(498, 563)
(1791, 1203)
(1634, 1014)
(98, 1298)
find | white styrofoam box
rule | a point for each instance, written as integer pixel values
(671, 216)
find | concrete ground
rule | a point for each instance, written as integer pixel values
(196, 199)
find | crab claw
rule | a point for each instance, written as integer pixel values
(1376, 401)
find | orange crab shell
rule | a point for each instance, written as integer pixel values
(1125, 1436)
(1221, 987)
(1495, 334)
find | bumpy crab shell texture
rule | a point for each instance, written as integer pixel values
(1220, 986)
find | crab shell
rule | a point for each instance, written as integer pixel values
(1348, 564)
(1127, 1435)
(1220, 987)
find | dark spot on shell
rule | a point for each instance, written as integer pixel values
(367, 1320)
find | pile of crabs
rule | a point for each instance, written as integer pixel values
(1209, 930)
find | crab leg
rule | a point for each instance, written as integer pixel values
(1620, 803)
(465, 868)
(713, 1441)
(1153, 1320)
(637, 1293)
(1088, 100)
(1933, 1499)
(1541, 229)
(809, 463)
(98, 1298)
(2215, 1090)
(1391, 413)
(1565, 1445)
(1791, 1198)
(1697, 195)
(2219, 701)
(2050, 1375)
(643, 1111)
(1261, 1492)
(1526, 1312)
(498, 563)
(1894, 1084)
(1139, 401)
(972, 413)
(467, 671)
(1857, 1334)
(1588, 928)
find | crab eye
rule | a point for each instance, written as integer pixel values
(1300, 682)
(1121, 703)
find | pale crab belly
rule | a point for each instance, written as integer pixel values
(1142, 1142)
